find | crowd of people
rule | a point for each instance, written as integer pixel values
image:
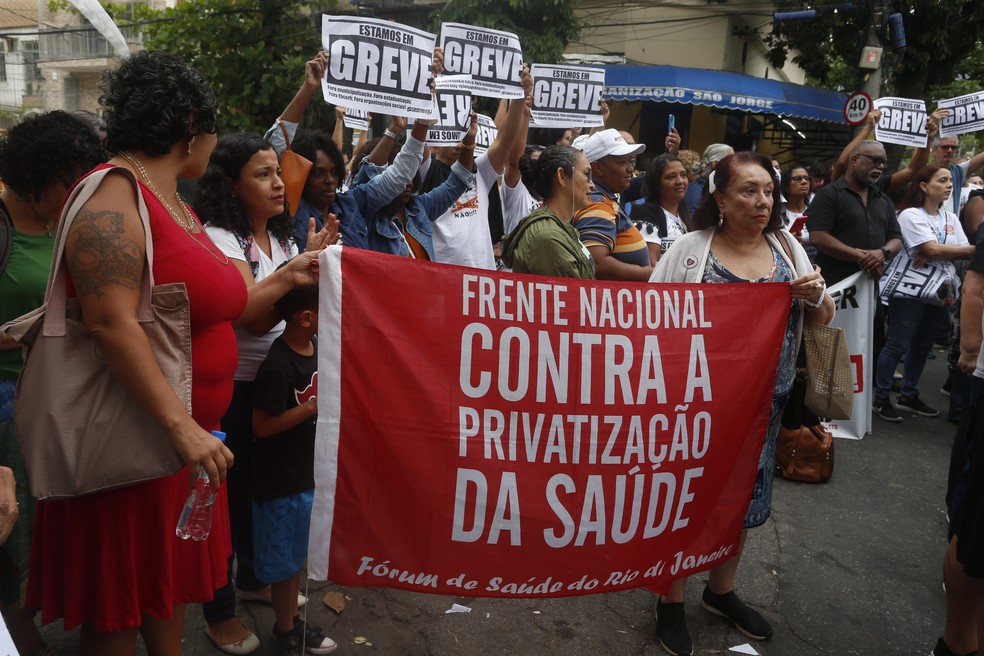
(541, 202)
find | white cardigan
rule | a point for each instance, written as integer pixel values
(685, 261)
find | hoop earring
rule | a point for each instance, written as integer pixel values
(191, 142)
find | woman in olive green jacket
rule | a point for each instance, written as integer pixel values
(545, 243)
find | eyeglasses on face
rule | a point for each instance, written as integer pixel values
(877, 161)
(799, 178)
(948, 147)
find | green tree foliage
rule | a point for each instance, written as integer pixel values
(544, 27)
(253, 52)
(943, 56)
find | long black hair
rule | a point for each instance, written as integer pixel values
(652, 210)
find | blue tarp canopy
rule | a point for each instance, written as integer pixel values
(694, 86)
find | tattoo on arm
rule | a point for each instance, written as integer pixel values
(101, 255)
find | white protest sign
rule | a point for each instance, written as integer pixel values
(493, 58)
(567, 96)
(487, 132)
(378, 66)
(454, 102)
(356, 119)
(903, 121)
(966, 114)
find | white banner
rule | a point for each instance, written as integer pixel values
(454, 103)
(356, 119)
(487, 132)
(378, 66)
(855, 300)
(567, 96)
(903, 121)
(493, 58)
(966, 114)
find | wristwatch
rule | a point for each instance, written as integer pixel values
(887, 252)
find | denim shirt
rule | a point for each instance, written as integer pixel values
(352, 206)
(385, 235)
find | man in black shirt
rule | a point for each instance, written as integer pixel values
(851, 223)
(854, 228)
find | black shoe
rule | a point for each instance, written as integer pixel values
(671, 629)
(287, 644)
(315, 641)
(916, 406)
(884, 409)
(747, 620)
(942, 650)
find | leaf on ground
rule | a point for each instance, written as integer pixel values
(335, 600)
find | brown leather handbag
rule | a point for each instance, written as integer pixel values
(805, 454)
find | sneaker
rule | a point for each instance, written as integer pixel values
(916, 406)
(671, 629)
(942, 650)
(747, 620)
(884, 409)
(315, 641)
(287, 644)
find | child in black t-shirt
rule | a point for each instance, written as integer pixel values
(284, 413)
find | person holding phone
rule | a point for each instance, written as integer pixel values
(794, 183)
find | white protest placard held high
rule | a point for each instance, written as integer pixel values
(966, 114)
(903, 121)
(487, 132)
(493, 58)
(454, 102)
(356, 119)
(378, 66)
(567, 96)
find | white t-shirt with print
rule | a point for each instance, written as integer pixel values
(517, 203)
(252, 349)
(461, 235)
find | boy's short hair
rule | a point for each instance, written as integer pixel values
(298, 299)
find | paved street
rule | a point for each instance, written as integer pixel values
(849, 567)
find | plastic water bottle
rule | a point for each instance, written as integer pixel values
(196, 518)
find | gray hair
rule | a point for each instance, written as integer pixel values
(713, 153)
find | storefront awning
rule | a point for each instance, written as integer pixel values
(693, 86)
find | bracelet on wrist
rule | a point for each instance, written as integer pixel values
(823, 293)
(465, 146)
(392, 135)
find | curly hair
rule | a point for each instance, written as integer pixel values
(152, 101)
(216, 202)
(707, 214)
(307, 143)
(46, 149)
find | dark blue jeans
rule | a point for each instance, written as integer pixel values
(237, 424)
(912, 329)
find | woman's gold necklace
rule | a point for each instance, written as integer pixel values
(187, 221)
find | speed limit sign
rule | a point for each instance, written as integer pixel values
(857, 107)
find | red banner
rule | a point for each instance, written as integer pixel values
(504, 435)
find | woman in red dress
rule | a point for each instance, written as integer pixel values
(111, 561)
